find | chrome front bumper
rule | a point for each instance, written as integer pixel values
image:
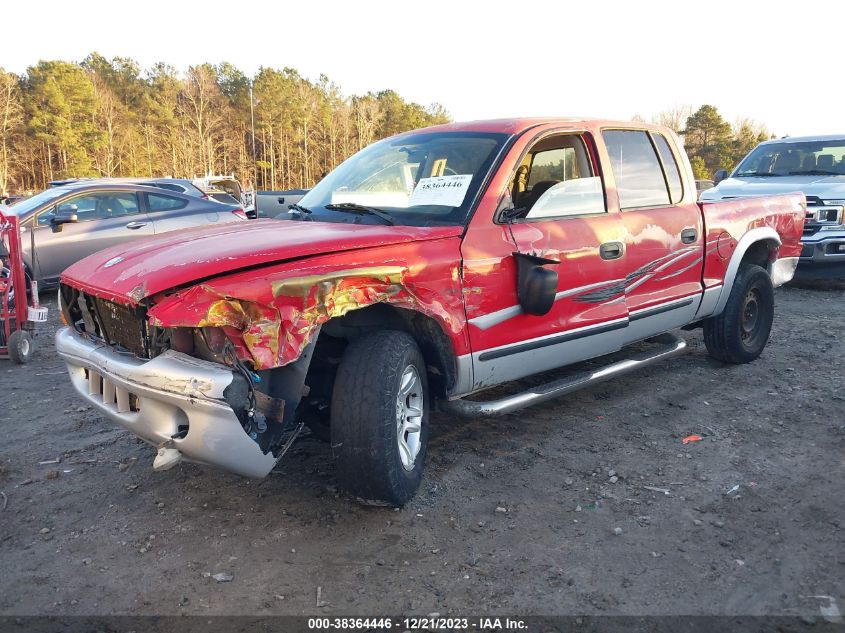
(154, 398)
(823, 247)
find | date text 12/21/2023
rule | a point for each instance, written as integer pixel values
(420, 623)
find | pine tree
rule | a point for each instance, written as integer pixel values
(710, 137)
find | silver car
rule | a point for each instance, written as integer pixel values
(74, 220)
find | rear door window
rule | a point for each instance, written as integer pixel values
(636, 168)
(160, 202)
(670, 166)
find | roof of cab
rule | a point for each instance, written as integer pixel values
(517, 126)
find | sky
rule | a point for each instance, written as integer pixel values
(776, 63)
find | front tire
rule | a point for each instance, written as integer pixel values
(379, 418)
(741, 331)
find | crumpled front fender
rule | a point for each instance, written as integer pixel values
(272, 315)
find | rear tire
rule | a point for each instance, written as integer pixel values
(379, 420)
(740, 333)
(20, 346)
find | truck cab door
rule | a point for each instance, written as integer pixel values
(664, 236)
(554, 185)
(104, 218)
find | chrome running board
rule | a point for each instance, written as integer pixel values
(669, 345)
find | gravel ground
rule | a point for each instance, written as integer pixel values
(588, 505)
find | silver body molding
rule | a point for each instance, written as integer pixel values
(709, 301)
(170, 391)
(464, 378)
(515, 365)
(596, 340)
(670, 345)
(783, 270)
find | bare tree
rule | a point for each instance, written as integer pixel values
(11, 119)
(675, 118)
(202, 106)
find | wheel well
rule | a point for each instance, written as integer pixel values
(760, 253)
(435, 345)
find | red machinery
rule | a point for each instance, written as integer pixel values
(19, 312)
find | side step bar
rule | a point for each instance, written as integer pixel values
(669, 345)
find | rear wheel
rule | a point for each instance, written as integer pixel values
(20, 346)
(379, 420)
(741, 331)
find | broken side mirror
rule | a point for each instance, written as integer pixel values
(536, 285)
(719, 176)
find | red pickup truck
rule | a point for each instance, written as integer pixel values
(427, 267)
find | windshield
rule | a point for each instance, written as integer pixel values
(23, 208)
(417, 179)
(824, 158)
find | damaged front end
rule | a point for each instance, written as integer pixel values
(258, 332)
(174, 402)
(114, 353)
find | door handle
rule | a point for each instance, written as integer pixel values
(136, 225)
(611, 250)
(688, 236)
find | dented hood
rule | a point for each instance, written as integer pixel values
(130, 272)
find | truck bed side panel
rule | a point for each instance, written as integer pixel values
(726, 221)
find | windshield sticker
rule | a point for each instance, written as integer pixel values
(448, 191)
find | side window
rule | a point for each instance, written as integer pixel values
(557, 180)
(46, 216)
(639, 178)
(552, 164)
(168, 186)
(160, 202)
(94, 206)
(670, 165)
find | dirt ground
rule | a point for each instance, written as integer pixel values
(546, 511)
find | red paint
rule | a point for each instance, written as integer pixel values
(727, 221)
(432, 288)
(174, 259)
(453, 274)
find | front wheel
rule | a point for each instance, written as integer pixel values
(379, 417)
(741, 331)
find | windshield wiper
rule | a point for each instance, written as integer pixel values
(352, 207)
(301, 210)
(814, 172)
(758, 174)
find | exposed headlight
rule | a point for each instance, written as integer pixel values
(834, 203)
